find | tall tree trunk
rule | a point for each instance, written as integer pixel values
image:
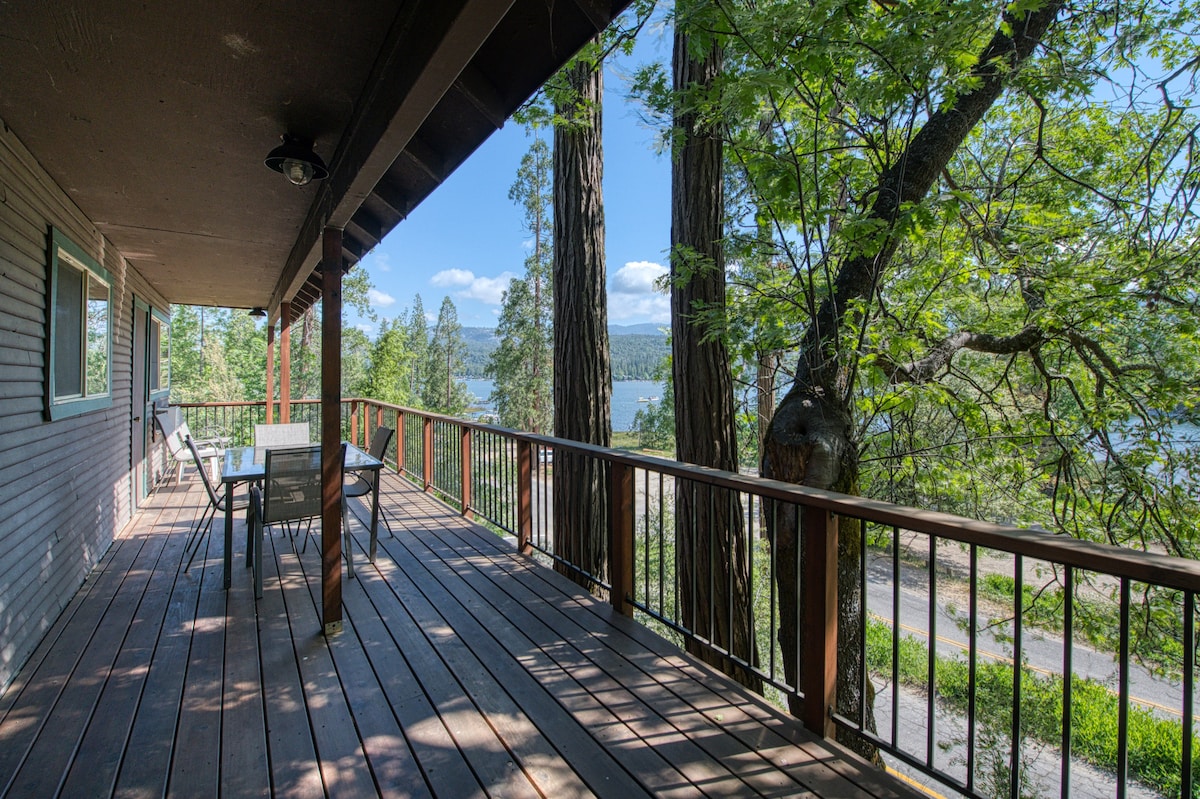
(582, 374)
(764, 384)
(810, 440)
(710, 535)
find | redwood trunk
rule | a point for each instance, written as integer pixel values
(710, 537)
(582, 376)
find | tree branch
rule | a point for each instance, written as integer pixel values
(925, 369)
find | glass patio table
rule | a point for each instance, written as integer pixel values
(248, 465)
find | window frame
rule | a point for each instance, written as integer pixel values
(63, 253)
(163, 321)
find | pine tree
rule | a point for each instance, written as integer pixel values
(443, 392)
(522, 365)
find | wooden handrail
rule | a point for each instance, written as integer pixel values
(1149, 567)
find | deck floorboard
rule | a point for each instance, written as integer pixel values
(462, 670)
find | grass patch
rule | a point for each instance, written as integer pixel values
(1155, 744)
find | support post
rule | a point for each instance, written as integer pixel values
(620, 531)
(465, 473)
(331, 430)
(270, 372)
(819, 583)
(524, 497)
(285, 362)
(354, 422)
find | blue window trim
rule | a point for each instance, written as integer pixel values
(62, 409)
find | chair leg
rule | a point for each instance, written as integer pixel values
(258, 560)
(197, 538)
(348, 542)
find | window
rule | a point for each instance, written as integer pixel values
(79, 377)
(159, 353)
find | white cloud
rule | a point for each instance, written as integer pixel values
(453, 277)
(489, 290)
(379, 299)
(638, 277)
(627, 308)
(376, 261)
(634, 294)
(366, 328)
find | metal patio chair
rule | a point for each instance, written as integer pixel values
(361, 484)
(216, 502)
(291, 491)
(281, 435)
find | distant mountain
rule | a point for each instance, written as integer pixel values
(646, 329)
(636, 350)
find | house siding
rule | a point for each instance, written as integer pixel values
(65, 486)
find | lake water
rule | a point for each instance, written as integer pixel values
(625, 398)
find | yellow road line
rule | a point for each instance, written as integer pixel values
(1037, 669)
(905, 778)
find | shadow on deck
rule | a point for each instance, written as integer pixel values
(463, 670)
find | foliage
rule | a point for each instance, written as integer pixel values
(443, 391)
(522, 363)
(1154, 742)
(655, 424)
(417, 335)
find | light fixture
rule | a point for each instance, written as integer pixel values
(258, 312)
(297, 161)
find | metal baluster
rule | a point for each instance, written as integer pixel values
(1189, 676)
(646, 536)
(1018, 601)
(1123, 695)
(895, 636)
(771, 538)
(862, 622)
(931, 662)
(972, 661)
(1068, 679)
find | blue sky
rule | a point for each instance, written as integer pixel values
(467, 239)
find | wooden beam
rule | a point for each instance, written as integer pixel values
(331, 431)
(427, 159)
(285, 362)
(481, 93)
(819, 581)
(270, 371)
(620, 529)
(423, 53)
(367, 227)
(524, 497)
(465, 470)
(388, 193)
(598, 13)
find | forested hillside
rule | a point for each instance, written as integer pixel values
(635, 355)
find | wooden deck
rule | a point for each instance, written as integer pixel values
(463, 670)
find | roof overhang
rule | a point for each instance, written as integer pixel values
(155, 120)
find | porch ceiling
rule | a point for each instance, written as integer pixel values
(156, 117)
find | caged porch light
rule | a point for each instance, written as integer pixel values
(297, 161)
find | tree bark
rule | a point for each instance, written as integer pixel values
(710, 536)
(582, 375)
(810, 440)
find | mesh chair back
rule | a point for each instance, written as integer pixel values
(281, 435)
(380, 441)
(292, 485)
(208, 486)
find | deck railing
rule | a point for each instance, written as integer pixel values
(966, 628)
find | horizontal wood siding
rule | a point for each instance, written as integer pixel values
(65, 486)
